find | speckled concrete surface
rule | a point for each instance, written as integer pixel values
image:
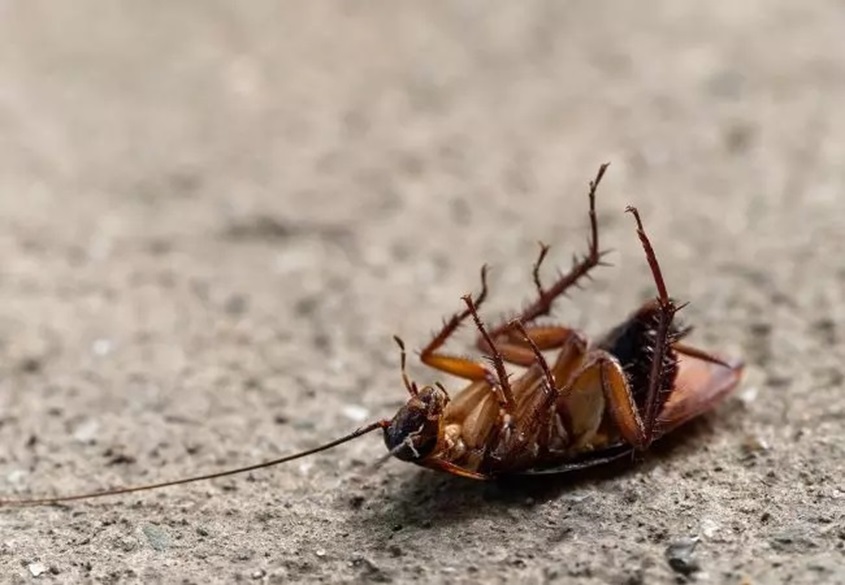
(213, 218)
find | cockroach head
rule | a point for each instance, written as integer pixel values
(412, 434)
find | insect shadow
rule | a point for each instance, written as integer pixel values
(436, 501)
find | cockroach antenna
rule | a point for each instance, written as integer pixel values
(153, 486)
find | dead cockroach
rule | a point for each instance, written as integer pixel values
(594, 403)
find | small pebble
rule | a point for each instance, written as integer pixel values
(16, 476)
(320, 552)
(709, 527)
(680, 556)
(753, 445)
(749, 395)
(37, 569)
(577, 497)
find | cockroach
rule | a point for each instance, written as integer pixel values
(594, 403)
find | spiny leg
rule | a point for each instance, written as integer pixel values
(550, 387)
(638, 428)
(410, 385)
(597, 387)
(457, 366)
(513, 346)
(537, 426)
(623, 409)
(697, 353)
(498, 363)
(535, 271)
(666, 312)
(519, 350)
(600, 386)
(580, 268)
(526, 434)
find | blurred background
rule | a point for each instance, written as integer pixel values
(214, 216)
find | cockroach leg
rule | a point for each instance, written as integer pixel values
(410, 385)
(443, 465)
(662, 293)
(504, 385)
(535, 271)
(580, 268)
(666, 312)
(457, 366)
(550, 386)
(516, 350)
(601, 380)
(623, 409)
(697, 353)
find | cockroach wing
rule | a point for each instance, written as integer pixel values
(699, 386)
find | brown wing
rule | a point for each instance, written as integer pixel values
(699, 386)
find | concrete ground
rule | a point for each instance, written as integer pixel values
(214, 217)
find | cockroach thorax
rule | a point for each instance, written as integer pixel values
(414, 430)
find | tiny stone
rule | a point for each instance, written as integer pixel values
(749, 395)
(320, 552)
(680, 556)
(753, 445)
(37, 569)
(709, 527)
(16, 476)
